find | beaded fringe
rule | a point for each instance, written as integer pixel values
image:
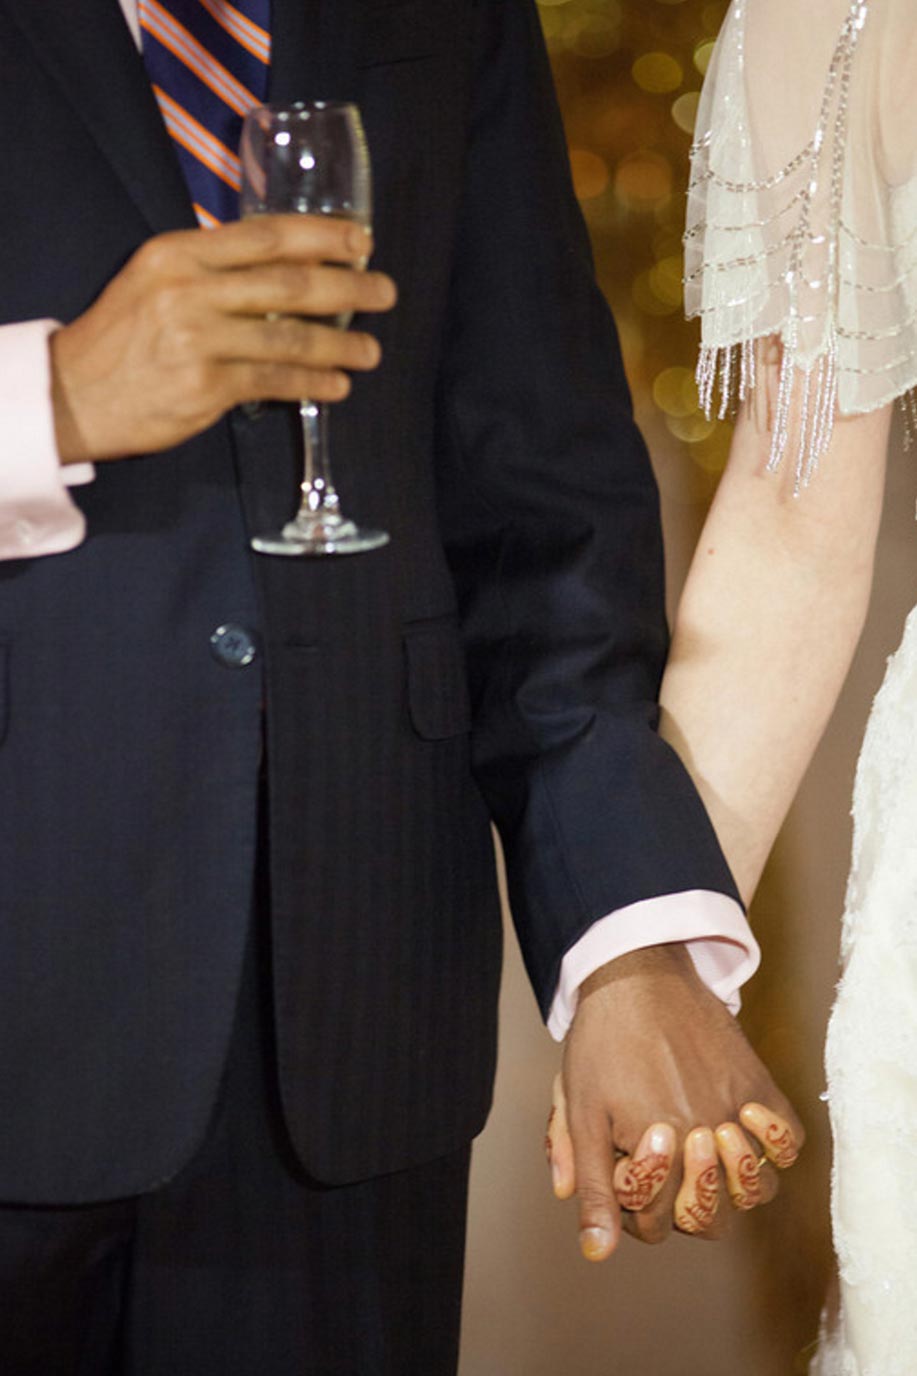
(730, 373)
(801, 407)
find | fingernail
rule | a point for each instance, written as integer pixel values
(388, 292)
(701, 1144)
(660, 1140)
(359, 238)
(595, 1243)
(555, 1176)
(775, 1136)
(754, 1117)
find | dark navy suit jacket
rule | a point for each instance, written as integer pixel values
(499, 659)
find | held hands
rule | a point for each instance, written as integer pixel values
(651, 1045)
(199, 321)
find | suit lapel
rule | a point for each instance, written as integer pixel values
(88, 49)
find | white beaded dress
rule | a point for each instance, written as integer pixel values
(802, 224)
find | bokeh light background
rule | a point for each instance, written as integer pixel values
(628, 75)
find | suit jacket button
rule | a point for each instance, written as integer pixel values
(233, 646)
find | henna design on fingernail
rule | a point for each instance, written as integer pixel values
(781, 1147)
(641, 1180)
(748, 1193)
(707, 1190)
(697, 1217)
(548, 1144)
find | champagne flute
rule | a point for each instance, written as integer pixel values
(310, 159)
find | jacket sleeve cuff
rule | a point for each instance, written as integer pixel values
(711, 925)
(37, 515)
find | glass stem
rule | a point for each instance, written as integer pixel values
(313, 459)
(318, 491)
(329, 491)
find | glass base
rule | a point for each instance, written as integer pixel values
(319, 534)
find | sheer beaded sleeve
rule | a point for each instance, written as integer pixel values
(802, 214)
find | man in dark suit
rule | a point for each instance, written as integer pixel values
(249, 931)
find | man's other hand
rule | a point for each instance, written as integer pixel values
(199, 321)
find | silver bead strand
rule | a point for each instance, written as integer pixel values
(732, 366)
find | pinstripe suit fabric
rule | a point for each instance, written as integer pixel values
(242, 1264)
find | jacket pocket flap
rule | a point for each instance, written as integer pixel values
(438, 698)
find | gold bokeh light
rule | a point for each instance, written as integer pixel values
(657, 72)
(629, 77)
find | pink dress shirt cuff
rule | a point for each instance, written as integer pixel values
(37, 515)
(711, 925)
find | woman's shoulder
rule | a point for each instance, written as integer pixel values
(893, 49)
(802, 213)
(793, 53)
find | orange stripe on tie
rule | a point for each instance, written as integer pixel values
(251, 36)
(199, 141)
(174, 36)
(205, 219)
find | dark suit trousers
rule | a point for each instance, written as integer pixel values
(241, 1265)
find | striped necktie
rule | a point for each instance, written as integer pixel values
(208, 62)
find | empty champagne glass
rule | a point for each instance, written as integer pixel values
(310, 159)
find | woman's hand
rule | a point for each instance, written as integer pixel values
(714, 1164)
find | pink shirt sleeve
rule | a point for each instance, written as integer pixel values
(712, 926)
(37, 515)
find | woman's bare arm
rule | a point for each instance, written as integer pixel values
(767, 626)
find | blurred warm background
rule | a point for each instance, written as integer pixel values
(628, 75)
